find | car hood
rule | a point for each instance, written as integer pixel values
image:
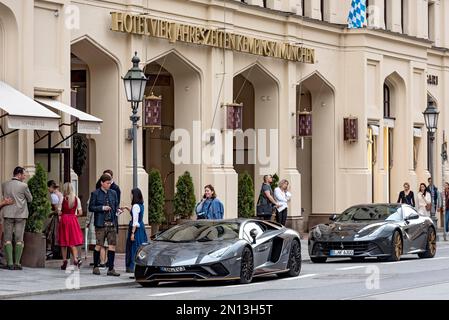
(161, 253)
(347, 230)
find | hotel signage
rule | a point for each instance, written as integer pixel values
(144, 25)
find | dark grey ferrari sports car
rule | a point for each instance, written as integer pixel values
(237, 249)
(385, 231)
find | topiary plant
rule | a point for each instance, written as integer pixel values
(156, 198)
(39, 208)
(245, 196)
(79, 153)
(184, 202)
(275, 182)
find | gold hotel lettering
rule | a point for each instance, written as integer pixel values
(143, 25)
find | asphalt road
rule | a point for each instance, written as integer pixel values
(410, 278)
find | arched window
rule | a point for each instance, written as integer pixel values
(387, 101)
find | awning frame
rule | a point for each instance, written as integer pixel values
(2, 131)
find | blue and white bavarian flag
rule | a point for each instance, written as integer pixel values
(357, 14)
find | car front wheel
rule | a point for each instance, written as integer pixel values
(396, 247)
(247, 266)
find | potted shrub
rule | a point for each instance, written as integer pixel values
(34, 240)
(156, 201)
(184, 202)
(245, 196)
(275, 182)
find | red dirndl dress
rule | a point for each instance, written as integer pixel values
(70, 234)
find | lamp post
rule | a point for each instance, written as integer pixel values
(135, 82)
(431, 119)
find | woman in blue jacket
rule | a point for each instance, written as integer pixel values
(209, 207)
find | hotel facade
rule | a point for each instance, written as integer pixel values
(335, 111)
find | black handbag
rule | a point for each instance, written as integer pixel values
(264, 208)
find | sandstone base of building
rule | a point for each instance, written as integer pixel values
(315, 219)
(295, 223)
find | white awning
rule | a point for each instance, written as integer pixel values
(417, 132)
(86, 123)
(25, 113)
(375, 129)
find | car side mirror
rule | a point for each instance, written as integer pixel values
(333, 217)
(253, 233)
(413, 216)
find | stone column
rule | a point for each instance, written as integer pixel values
(287, 145)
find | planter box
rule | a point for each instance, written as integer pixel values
(34, 250)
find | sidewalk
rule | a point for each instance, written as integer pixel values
(33, 281)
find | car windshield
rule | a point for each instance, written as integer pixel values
(371, 213)
(201, 231)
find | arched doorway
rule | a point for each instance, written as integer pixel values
(256, 146)
(316, 153)
(177, 82)
(95, 89)
(394, 129)
(245, 153)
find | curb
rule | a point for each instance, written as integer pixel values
(38, 293)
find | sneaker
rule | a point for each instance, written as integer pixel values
(96, 271)
(113, 273)
(17, 267)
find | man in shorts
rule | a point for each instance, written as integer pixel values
(104, 204)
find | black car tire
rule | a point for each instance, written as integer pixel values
(247, 266)
(396, 247)
(149, 284)
(431, 245)
(294, 261)
(318, 259)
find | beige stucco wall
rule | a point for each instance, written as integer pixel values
(346, 80)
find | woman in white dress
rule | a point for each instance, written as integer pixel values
(282, 196)
(423, 202)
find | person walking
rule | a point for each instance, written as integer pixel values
(424, 201)
(52, 224)
(210, 207)
(282, 196)
(434, 196)
(136, 228)
(266, 201)
(15, 216)
(69, 230)
(445, 197)
(104, 204)
(406, 196)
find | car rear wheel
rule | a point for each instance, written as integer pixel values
(149, 284)
(294, 261)
(431, 245)
(318, 259)
(396, 247)
(247, 266)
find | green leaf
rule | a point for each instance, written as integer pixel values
(40, 208)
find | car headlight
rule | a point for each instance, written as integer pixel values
(218, 253)
(141, 255)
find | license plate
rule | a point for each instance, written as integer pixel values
(342, 252)
(173, 269)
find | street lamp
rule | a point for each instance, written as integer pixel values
(431, 119)
(135, 82)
